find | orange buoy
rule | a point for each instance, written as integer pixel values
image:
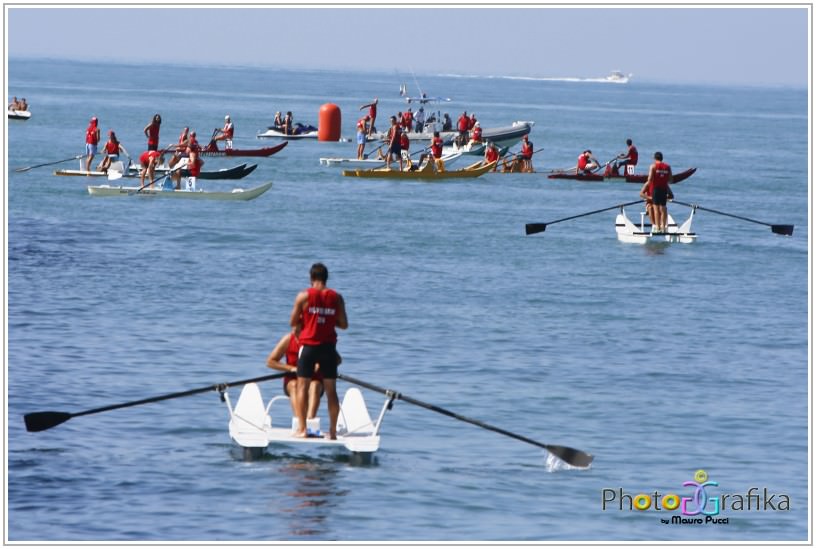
(328, 125)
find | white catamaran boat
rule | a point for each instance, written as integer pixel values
(642, 234)
(252, 429)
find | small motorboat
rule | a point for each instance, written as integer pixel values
(300, 131)
(14, 114)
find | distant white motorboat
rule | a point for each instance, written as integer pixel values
(618, 77)
(14, 114)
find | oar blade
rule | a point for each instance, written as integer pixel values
(533, 228)
(786, 230)
(571, 456)
(40, 421)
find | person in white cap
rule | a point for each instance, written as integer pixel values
(225, 134)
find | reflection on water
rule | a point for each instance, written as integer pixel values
(312, 497)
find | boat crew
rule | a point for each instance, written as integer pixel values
(194, 164)
(476, 135)
(288, 347)
(321, 310)
(372, 114)
(657, 190)
(181, 147)
(407, 120)
(463, 125)
(112, 150)
(436, 150)
(526, 154)
(362, 131)
(92, 137)
(394, 143)
(626, 159)
(586, 163)
(225, 134)
(491, 155)
(151, 131)
(149, 160)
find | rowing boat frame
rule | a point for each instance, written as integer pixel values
(641, 234)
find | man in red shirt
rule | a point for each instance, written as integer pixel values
(372, 114)
(225, 134)
(656, 189)
(626, 159)
(321, 310)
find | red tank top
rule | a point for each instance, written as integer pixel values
(229, 131)
(527, 150)
(153, 134)
(582, 162)
(633, 155)
(91, 135)
(436, 147)
(293, 350)
(492, 155)
(477, 134)
(319, 317)
(661, 175)
(111, 147)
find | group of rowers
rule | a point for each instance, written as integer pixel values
(16, 105)
(187, 148)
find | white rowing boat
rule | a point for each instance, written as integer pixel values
(642, 233)
(251, 426)
(18, 115)
(165, 192)
(354, 163)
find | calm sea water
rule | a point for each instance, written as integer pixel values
(660, 361)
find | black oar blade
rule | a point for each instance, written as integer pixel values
(571, 456)
(533, 228)
(40, 421)
(786, 230)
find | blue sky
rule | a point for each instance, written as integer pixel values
(738, 45)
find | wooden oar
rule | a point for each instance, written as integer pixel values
(533, 228)
(576, 458)
(40, 421)
(786, 230)
(77, 157)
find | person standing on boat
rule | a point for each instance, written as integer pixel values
(447, 123)
(463, 125)
(419, 120)
(149, 160)
(92, 137)
(657, 189)
(394, 143)
(321, 310)
(112, 150)
(362, 132)
(526, 154)
(225, 134)
(288, 347)
(151, 131)
(372, 114)
(626, 159)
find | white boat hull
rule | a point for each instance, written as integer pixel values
(234, 194)
(18, 115)
(251, 426)
(280, 135)
(641, 234)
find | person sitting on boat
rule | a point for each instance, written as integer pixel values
(491, 155)
(405, 145)
(181, 147)
(587, 163)
(92, 138)
(149, 160)
(656, 189)
(278, 122)
(225, 134)
(14, 105)
(362, 132)
(112, 149)
(288, 347)
(475, 135)
(419, 120)
(625, 159)
(23, 105)
(394, 143)
(286, 127)
(526, 154)
(472, 121)
(194, 163)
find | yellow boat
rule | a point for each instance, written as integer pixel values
(426, 171)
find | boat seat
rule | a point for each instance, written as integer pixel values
(228, 143)
(630, 169)
(354, 416)
(249, 420)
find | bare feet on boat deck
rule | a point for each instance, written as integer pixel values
(331, 436)
(300, 434)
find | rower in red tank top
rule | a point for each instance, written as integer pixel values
(656, 192)
(288, 348)
(151, 131)
(321, 310)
